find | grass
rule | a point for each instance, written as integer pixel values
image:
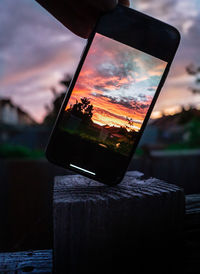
(15, 151)
(182, 146)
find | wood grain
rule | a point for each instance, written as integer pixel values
(38, 261)
(102, 229)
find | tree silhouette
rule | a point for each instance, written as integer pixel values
(52, 111)
(129, 128)
(130, 121)
(82, 109)
(194, 71)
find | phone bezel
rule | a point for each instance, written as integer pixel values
(99, 28)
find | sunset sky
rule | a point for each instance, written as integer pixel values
(119, 81)
(36, 51)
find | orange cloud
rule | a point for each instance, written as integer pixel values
(107, 79)
(106, 112)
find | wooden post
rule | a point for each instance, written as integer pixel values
(124, 229)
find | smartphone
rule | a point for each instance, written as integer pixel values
(111, 96)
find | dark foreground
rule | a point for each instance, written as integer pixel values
(41, 261)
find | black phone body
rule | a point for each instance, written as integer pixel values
(120, 74)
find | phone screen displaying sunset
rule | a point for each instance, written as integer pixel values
(112, 95)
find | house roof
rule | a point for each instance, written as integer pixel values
(7, 101)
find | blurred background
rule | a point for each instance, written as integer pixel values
(38, 57)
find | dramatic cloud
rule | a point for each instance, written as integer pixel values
(36, 51)
(128, 102)
(185, 15)
(118, 79)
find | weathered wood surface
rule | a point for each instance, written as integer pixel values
(181, 169)
(39, 261)
(101, 229)
(19, 262)
(192, 234)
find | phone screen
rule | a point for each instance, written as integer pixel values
(112, 95)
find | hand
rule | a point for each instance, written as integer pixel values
(79, 16)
